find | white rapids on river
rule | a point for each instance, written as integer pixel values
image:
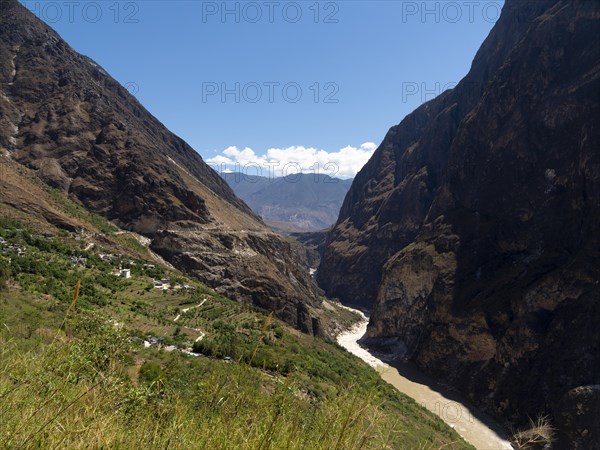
(455, 414)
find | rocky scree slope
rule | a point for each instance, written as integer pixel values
(64, 117)
(473, 233)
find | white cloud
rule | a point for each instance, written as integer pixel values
(344, 163)
(220, 159)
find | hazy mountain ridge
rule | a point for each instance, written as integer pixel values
(473, 230)
(296, 203)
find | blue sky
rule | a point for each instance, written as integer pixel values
(310, 77)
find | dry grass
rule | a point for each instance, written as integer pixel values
(75, 392)
(539, 433)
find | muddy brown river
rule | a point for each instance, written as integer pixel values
(474, 426)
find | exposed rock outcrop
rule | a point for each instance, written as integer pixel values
(474, 231)
(578, 419)
(254, 266)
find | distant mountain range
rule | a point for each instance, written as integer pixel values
(296, 203)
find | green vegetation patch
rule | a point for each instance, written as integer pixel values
(88, 382)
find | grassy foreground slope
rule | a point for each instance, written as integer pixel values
(77, 393)
(92, 381)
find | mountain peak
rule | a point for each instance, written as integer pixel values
(66, 119)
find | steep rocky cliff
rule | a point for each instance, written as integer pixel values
(391, 196)
(64, 117)
(474, 231)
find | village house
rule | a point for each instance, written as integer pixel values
(107, 257)
(78, 260)
(162, 284)
(18, 249)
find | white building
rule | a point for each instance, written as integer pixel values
(125, 273)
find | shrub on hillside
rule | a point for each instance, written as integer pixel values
(150, 372)
(4, 275)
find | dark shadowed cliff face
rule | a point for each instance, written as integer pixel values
(391, 196)
(64, 117)
(474, 231)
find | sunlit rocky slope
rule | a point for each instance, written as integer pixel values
(79, 130)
